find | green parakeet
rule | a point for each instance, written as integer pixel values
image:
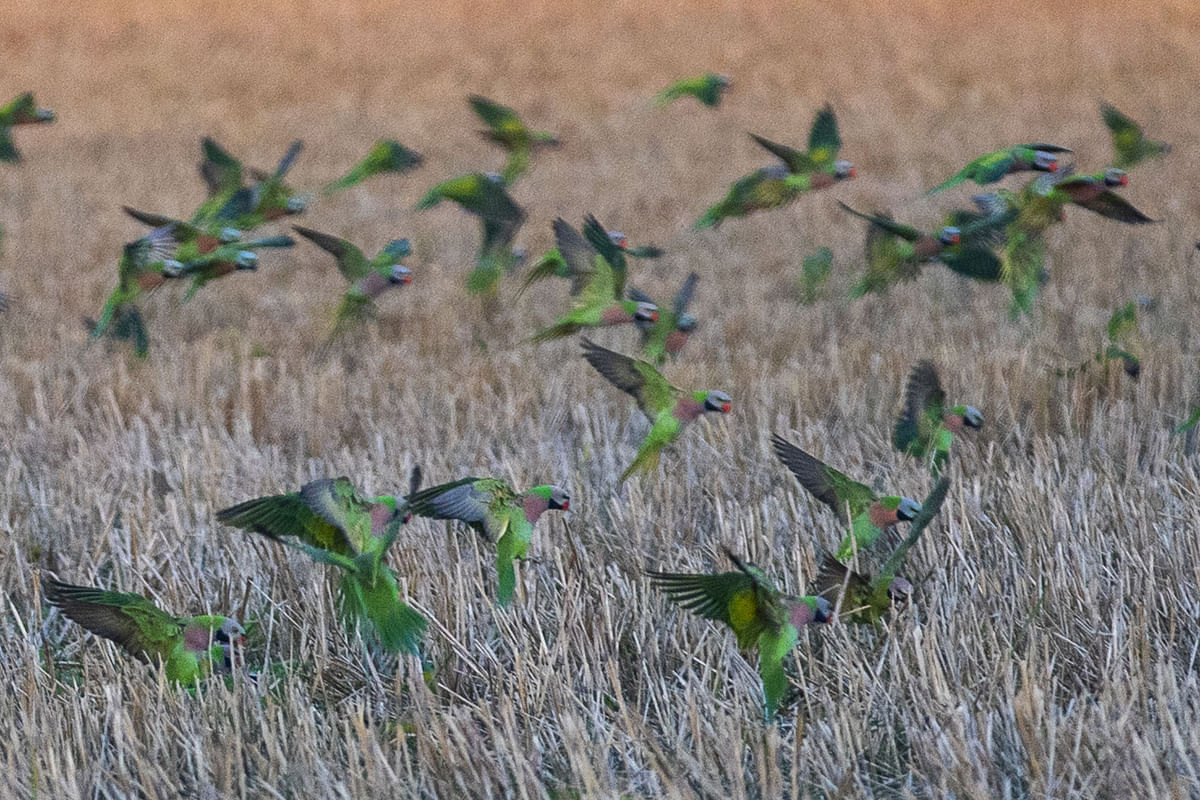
(926, 426)
(335, 524)
(865, 513)
(760, 615)
(668, 407)
(189, 647)
(706, 88)
(496, 511)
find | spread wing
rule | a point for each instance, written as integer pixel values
(130, 620)
(350, 259)
(823, 481)
(886, 223)
(637, 378)
(471, 500)
(924, 401)
(823, 139)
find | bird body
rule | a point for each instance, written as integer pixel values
(759, 614)
(668, 407)
(496, 511)
(190, 648)
(667, 335)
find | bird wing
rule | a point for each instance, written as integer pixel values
(637, 378)
(220, 170)
(797, 161)
(727, 597)
(924, 401)
(501, 119)
(823, 481)
(141, 628)
(471, 500)
(337, 502)
(887, 223)
(395, 250)
(823, 139)
(684, 296)
(350, 259)
(288, 515)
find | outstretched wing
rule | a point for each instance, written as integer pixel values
(823, 481)
(924, 401)
(797, 161)
(350, 259)
(637, 378)
(886, 223)
(130, 620)
(469, 499)
(683, 297)
(823, 139)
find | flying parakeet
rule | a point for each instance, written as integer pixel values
(706, 88)
(592, 280)
(668, 407)
(506, 129)
(991, 167)
(866, 514)
(497, 512)
(760, 615)
(387, 155)
(926, 426)
(368, 278)
(334, 524)
(669, 333)
(21, 111)
(1130, 145)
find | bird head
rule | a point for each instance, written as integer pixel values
(172, 268)
(618, 239)
(899, 589)
(227, 235)
(972, 417)
(1045, 162)
(800, 613)
(843, 170)
(645, 312)
(246, 259)
(724, 80)
(400, 274)
(716, 400)
(296, 204)
(1115, 177)
(559, 499)
(230, 632)
(686, 323)
(907, 509)
(950, 235)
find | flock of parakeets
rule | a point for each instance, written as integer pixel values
(1001, 240)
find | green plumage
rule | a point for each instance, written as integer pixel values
(224, 260)
(596, 301)
(706, 88)
(867, 599)
(991, 167)
(334, 524)
(21, 111)
(760, 615)
(668, 407)
(497, 512)
(486, 197)
(386, 155)
(190, 648)
(1130, 145)
(506, 129)
(231, 203)
(368, 278)
(866, 514)
(668, 334)
(926, 425)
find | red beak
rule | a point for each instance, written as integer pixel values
(567, 506)
(1052, 166)
(726, 408)
(853, 172)
(954, 239)
(407, 279)
(654, 316)
(1124, 180)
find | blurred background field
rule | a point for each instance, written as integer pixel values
(1051, 648)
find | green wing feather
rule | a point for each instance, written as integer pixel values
(637, 378)
(823, 481)
(350, 259)
(924, 406)
(141, 628)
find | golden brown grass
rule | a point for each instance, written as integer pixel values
(1051, 649)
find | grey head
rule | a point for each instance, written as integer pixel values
(972, 417)
(1045, 162)
(686, 323)
(400, 274)
(246, 259)
(949, 235)
(908, 509)
(716, 400)
(645, 312)
(843, 170)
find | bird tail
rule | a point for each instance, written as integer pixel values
(645, 461)
(394, 623)
(711, 219)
